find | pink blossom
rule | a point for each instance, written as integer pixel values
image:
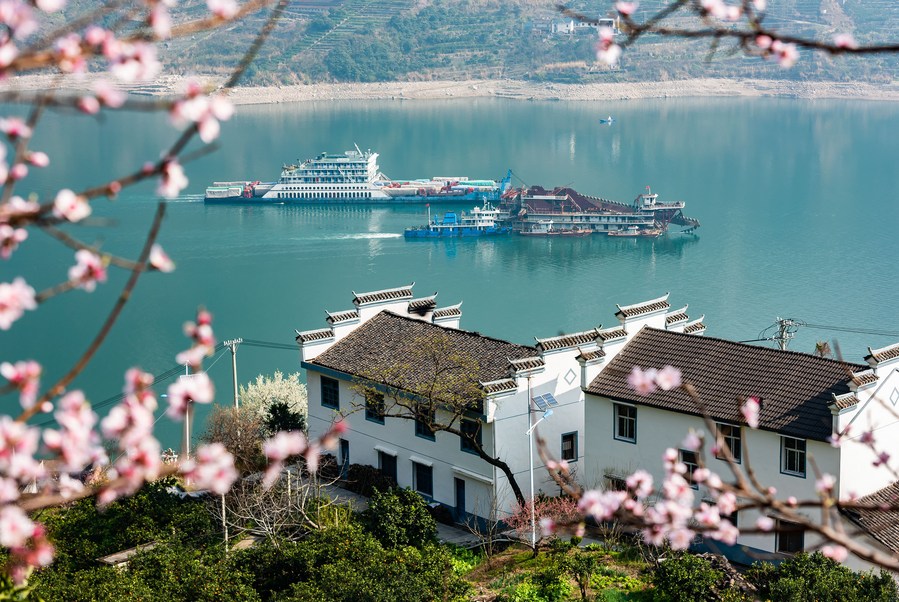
(787, 54)
(160, 21)
(19, 18)
(844, 40)
(24, 376)
(792, 501)
(204, 111)
(680, 539)
(708, 516)
(89, 105)
(726, 533)
(547, 526)
(69, 56)
(668, 378)
(196, 388)
(715, 8)
(15, 128)
(211, 468)
(75, 442)
(601, 505)
(135, 62)
(278, 449)
(825, 484)
(173, 180)
(8, 53)
(140, 462)
(50, 6)
(71, 206)
(10, 238)
(159, 260)
(764, 523)
(867, 437)
(750, 411)
(15, 527)
(727, 503)
(642, 382)
(626, 8)
(18, 444)
(17, 207)
(38, 158)
(88, 271)
(760, 5)
(835, 553)
(15, 298)
(223, 9)
(640, 482)
(607, 51)
(96, 35)
(693, 441)
(109, 95)
(882, 459)
(763, 41)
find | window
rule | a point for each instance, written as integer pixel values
(423, 421)
(732, 436)
(424, 479)
(790, 537)
(472, 439)
(330, 393)
(374, 407)
(792, 456)
(569, 447)
(616, 483)
(625, 423)
(387, 465)
(691, 461)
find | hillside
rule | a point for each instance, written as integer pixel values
(410, 40)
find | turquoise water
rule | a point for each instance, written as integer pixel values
(796, 199)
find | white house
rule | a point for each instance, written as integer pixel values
(385, 337)
(805, 399)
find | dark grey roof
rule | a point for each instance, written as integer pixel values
(391, 294)
(674, 318)
(883, 354)
(639, 309)
(423, 305)
(879, 523)
(501, 386)
(568, 340)
(611, 333)
(447, 312)
(396, 350)
(591, 355)
(342, 316)
(315, 335)
(795, 388)
(865, 377)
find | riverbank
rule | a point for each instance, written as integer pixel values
(513, 89)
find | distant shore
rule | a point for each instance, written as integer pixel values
(512, 89)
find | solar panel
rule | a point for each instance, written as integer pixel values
(545, 401)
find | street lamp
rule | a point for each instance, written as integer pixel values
(543, 402)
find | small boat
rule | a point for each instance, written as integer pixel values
(543, 227)
(480, 222)
(634, 231)
(576, 232)
(608, 120)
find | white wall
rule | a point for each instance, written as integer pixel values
(659, 429)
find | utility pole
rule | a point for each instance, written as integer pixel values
(188, 418)
(232, 344)
(786, 330)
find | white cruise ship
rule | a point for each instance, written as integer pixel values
(351, 177)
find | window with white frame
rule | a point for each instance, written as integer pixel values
(569, 447)
(625, 423)
(792, 456)
(732, 436)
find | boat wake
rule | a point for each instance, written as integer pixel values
(365, 236)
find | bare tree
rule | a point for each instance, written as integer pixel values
(440, 393)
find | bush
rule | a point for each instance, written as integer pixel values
(814, 577)
(400, 517)
(686, 578)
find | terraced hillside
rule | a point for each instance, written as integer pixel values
(379, 40)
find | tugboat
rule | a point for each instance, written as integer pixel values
(480, 222)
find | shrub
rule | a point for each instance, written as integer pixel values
(366, 480)
(686, 578)
(400, 517)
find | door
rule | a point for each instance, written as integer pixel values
(460, 499)
(344, 458)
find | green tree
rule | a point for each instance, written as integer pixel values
(281, 418)
(259, 395)
(400, 517)
(683, 577)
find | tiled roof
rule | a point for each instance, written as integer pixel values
(527, 363)
(397, 351)
(863, 378)
(448, 312)
(568, 340)
(500, 386)
(390, 294)
(883, 354)
(882, 525)
(647, 307)
(423, 305)
(678, 315)
(591, 355)
(611, 333)
(342, 316)
(694, 327)
(842, 402)
(315, 335)
(795, 388)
